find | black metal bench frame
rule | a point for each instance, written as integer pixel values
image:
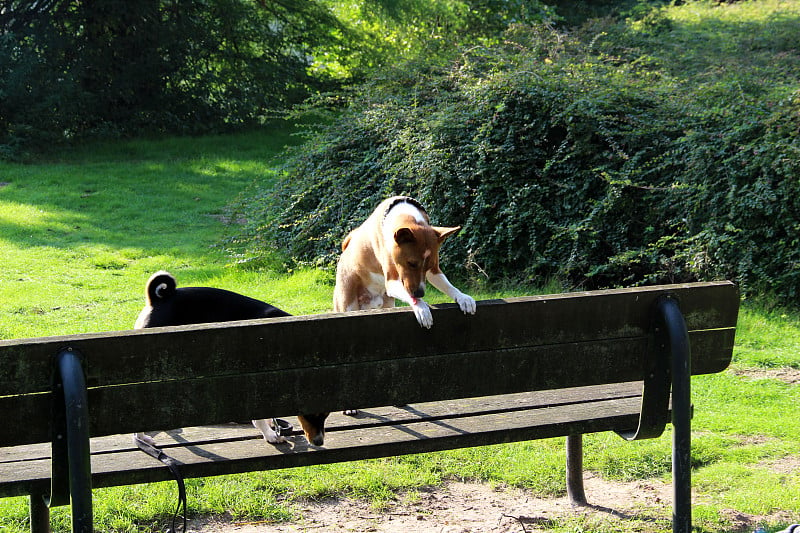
(665, 370)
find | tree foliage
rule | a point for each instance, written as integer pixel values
(70, 68)
(389, 32)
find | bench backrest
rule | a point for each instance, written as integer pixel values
(173, 377)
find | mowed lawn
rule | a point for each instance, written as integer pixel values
(81, 230)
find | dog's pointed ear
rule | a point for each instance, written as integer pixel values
(444, 233)
(404, 235)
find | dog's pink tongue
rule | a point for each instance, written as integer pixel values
(414, 301)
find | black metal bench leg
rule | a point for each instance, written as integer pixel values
(39, 514)
(681, 416)
(575, 491)
(76, 412)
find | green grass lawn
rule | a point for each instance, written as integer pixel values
(80, 234)
(82, 231)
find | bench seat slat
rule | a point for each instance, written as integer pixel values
(377, 432)
(432, 410)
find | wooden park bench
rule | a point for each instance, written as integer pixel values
(520, 369)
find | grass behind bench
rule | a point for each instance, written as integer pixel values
(81, 232)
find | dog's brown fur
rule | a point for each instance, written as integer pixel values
(390, 256)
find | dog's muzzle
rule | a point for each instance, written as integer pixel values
(319, 439)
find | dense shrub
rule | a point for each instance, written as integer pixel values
(564, 158)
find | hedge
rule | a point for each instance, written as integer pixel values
(563, 159)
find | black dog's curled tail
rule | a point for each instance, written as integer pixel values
(160, 286)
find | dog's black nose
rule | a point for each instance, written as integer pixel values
(419, 293)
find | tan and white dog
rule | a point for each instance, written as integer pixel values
(390, 256)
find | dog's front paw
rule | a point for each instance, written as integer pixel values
(422, 312)
(270, 435)
(276, 439)
(147, 439)
(466, 303)
(350, 412)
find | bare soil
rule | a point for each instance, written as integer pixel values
(468, 507)
(455, 507)
(785, 374)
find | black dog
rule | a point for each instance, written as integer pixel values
(168, 305)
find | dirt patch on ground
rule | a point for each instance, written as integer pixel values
(640, 506)
(787, 465)
(785, 374)
(471, 507)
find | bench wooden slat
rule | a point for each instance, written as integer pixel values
(432, 410)
(378, 432)
(365, 384)
(330, 339)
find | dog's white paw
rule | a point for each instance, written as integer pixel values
(147, 439)
(466, 303)
(422, 312)
(270, 435)
(276, 439)
(350, 412)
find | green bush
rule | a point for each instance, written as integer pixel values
(581, 157)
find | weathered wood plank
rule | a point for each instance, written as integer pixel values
(337, 422)
(272, 344)
(248, 452)
(217, 399)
